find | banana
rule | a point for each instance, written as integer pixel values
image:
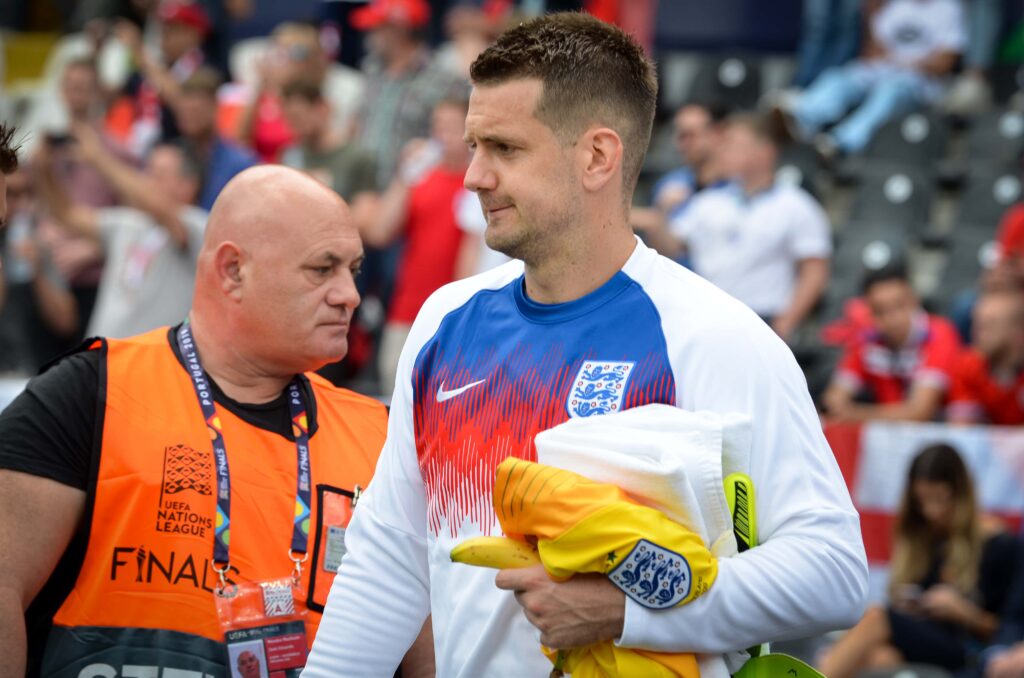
(497, 552)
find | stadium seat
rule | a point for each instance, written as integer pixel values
(861, 246)
(897, 200)
(918, 139)
(676, 73)
(1007, 80)
(733, 80)
(986, 198)
(662, 155)
(969, 252)
(997, 139)
(798, 165)
(914, 142)
(866, 245)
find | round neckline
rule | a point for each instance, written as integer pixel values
(537, 312)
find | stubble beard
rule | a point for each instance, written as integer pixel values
(531, 242)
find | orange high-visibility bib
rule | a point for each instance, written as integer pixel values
(144, 596)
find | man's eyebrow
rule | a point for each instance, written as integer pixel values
(329, 258)
(493, 139)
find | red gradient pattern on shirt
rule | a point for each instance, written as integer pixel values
(462, 440)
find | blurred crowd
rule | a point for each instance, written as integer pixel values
(117, 179)
(149, 115)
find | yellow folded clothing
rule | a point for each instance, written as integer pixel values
(581, 526)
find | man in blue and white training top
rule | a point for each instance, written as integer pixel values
(558, 122)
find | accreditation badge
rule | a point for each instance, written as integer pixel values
(264, 629)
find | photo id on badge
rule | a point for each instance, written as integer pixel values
(270, 651)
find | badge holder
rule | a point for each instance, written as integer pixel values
(264, 626)
(336, 510)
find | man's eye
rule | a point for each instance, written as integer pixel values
(356, 271)
(322, 270)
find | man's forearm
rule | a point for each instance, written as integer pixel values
(13, 642)
(810, 284)
(784, 589)
(392, 215)
(134, 188)
(664, 241)
(56, 305)
(166, 85)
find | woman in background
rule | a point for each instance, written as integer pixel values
(947, 581)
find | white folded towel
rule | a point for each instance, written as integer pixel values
(665, 458)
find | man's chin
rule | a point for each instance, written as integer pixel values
(503, 238)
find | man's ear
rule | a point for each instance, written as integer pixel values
(227, 262)
(602, 153)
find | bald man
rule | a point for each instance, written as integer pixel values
(248, 665)
(142, 478)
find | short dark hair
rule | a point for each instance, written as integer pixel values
(307, 90)
(8, 149)
(204, 80)
(591, 72)
(190, 164)
(718, 111)
(763, 126)
(893, 271)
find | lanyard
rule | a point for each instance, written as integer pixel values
(300, 428)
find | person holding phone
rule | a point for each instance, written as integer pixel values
(949, 578)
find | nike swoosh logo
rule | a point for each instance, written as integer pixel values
(443, 395)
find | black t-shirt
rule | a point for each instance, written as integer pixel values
(50, 430)
(999, 562)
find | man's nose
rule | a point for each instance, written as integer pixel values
(343, 292)
(479, 175)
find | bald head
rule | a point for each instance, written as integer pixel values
(276, 272)
(267, 204)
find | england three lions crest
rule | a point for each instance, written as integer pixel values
(599, 388)
(653, 576)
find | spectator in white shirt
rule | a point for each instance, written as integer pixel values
(910, 46)
(766, 243)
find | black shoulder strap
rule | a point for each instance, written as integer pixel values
(87, 344)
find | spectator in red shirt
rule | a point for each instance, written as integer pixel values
(156, 87)
(901, 369)
(1010, 264)
(421, 203)
(988, 384)
(1006, 271)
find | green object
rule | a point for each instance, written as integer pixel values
(777, 666)
(739, 493)
(1012, 50)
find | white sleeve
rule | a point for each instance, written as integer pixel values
(810, 234)
(380, 597)
(809, 574)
